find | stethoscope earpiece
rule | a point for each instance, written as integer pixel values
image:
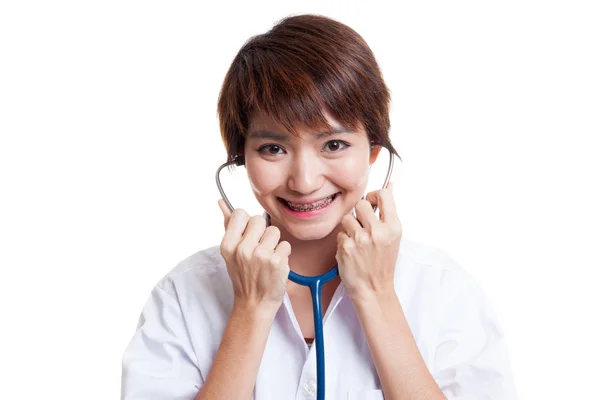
(239, 160)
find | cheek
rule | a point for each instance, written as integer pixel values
(353, 174)
(263, 178)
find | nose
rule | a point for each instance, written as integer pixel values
(306, 173)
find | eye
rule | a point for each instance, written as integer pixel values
(334, 145)
(270, 149)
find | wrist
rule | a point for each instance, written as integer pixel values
(368, 299)
(256, 310)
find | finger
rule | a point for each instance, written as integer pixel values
(254, 230)
(284, 249)
(270, 238)
(350, 225)
(365, 215)
(384, 199)
(236, 225)
(341, 236)
(226, 212)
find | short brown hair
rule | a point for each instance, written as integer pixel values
(305, 64)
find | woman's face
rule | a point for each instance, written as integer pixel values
(307, 172)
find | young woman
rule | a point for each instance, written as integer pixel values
(306, 105)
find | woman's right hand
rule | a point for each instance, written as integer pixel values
(256, 262)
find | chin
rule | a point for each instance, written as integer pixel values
(307, 235)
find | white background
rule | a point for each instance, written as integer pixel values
(110, 140)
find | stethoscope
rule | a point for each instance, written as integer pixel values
(315, 283)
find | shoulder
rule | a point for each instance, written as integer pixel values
(200, 273)
(442, 302)
(425, 273)
(423, 259)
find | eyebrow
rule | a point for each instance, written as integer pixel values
(260, 134)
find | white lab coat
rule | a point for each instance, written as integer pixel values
(183, 321)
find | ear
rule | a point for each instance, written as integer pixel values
(375, 149)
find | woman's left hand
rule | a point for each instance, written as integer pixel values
(367, 254)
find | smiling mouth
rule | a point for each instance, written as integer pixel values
(308, 207)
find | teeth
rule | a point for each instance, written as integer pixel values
(310, 207)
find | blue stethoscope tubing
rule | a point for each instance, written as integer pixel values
(314, 283)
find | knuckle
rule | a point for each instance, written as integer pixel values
(262, 254)
(275, 260)
(362, 237)
(348, 244)
(226, 248)
(379, 236)
(393, 231)
(244, 252)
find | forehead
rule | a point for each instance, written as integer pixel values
(263, 126)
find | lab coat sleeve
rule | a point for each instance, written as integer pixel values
(471, 358)
(159, 363)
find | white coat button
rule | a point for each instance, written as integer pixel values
(309, 389)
